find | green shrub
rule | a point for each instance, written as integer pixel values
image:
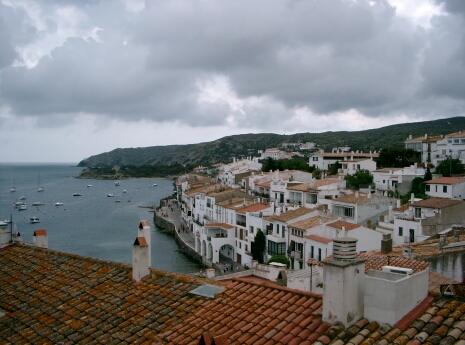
(280, 259)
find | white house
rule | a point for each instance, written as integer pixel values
(351, 166)
(426, 218)
(426, 145)
(396, 179)
(360, 208)
(324, 160)
(452, 145)
(316, 192)
(232, 174)
(446, 187)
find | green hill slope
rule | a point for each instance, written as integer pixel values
(222, 150)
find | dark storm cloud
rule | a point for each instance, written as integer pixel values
(452, 6)
(327, 56)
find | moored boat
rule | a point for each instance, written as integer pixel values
(76, 194)
(37, 203)
(110, 195)
(34, 220)
(58, 204)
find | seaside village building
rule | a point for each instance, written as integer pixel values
(351, 161)
(50, 297)
(397, 179)
(435, 149)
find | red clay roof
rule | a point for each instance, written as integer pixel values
(140, 241)
(446, 180)
(41, 232)
(342, 224)
(253, 208)
(319, 239)
(144, 224)
(436, 203)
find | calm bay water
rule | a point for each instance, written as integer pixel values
(92, 224)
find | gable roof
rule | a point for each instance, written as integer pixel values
(253, 208)
(292, 214)
(254, 314)
(446, 180)
(319, 238)
(354, 199)
(343, 224)
(309, 222)
(436, 203)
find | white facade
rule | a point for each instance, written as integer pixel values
(228, 172)
(324, 160)
(453, 145)
(446, 187)
(396, 179)
(351, 166)
(427, 146)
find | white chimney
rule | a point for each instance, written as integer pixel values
(343, 283)
(4, 235)
(412, 198)
(140, 259)
(40, 238)
(144, 231)
(399, 204)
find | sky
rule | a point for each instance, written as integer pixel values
(83, 77)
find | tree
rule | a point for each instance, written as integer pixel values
(282, 259)
(428, 175)
(334, 168)
(259, 246)
(448, 166)
(396, 157)
(360, 177)
(418, 188)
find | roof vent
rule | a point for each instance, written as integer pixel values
(345, 248)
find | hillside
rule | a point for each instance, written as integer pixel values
(222, 150)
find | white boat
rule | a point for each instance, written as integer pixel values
(22, 207)
(12, 189)
(58, 204)
(154, 184)
(125, 191)
(117, 183)
(37, 203)
(39, 188)
(34, 220)
(110, 195)
(18, 204)
(89, 185)
(23, 198)
(118, 200)
(76, 194)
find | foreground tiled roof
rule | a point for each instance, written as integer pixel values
(292, 214)
(50, 297)
(254, 314)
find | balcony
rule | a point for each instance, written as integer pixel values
(198, 222)
(240, 223)
(207, 218)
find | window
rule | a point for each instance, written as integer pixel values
(412, 235)
(311, 198)
(251, 229)
(401, 231)
(449, 141)
(277, 229)
(417, 212)
(209, 203)
(427, 187)
(444, 189)
(462, 141)
(312, 251)
(315, 159)
(344, 211)
(456, 141)
(276, 248)
(284, 231)
(319, 254)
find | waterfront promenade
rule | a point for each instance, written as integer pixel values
(172, 213)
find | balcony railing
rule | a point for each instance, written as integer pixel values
(240, 223)
(198, 222)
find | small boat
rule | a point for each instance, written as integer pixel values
(154, 184)
(23, 198)
(117, 183)
(18, 204)
(76, 194)
(110, 195)
(34, 220)
(58, 204)
(118, 200)
(125, 191)
(89, 185)
(12, 189)
(22, 207)
(37, 203)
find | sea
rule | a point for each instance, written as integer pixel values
(92, 224)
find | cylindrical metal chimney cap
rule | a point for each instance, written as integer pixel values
(345, 248)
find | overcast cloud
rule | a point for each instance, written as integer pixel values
(78, 78)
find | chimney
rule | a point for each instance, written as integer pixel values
(426, 136)
(442, 241)
(140, 259)
(40, 239)
(410, 137)
(412, 198)
(343, 283)
(386, 244)
(4, 235)
(144, 231)
(399, 203)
